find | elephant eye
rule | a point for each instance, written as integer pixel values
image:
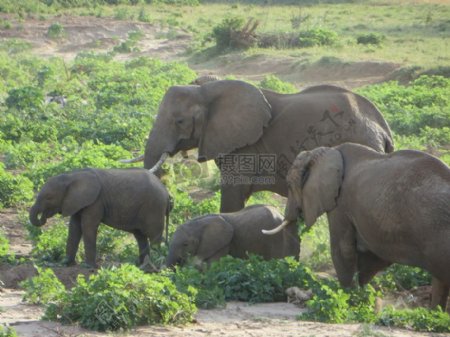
(179, 121)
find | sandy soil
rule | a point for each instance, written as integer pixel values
(237, 319)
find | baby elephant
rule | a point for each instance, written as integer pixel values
(132, 200)
(381, 208)
(210, 237)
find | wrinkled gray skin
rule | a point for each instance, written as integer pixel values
(210, 237)
(132, 200)
(234, 117)
(381, 209)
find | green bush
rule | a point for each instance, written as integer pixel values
(223, 32)
(14, 189)
(43, 288)
(401, 277)
(253, 280)
(6, 331)
(317, 37)
(50, 244)
(56, 31)
(420, 319)
(26, 98)
(4, 245)
(420, 108)
(122, 298)
(370, 38)
(272, 82)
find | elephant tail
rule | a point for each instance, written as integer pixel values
(169, 208)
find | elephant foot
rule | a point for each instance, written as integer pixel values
(88, 265)
(68, 262)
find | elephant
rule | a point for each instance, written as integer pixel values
(381, 209)
(209, 237)
(254, 135)
(132, 200)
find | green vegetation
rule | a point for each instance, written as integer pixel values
(4, 245)
(56, 31)
(122, 298)
(43, 288)
(420, 319)
(7, 331)
(109, 109)
(370, 38)
(418, 113)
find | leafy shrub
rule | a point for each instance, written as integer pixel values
(122, 298)
(278, 40)
(253, 280)
(370, 38)
(56, 31)
(26, 98)
(7, 331)
(4, 245)
(420, 319)
(329, 305)
(317, 37)
(14, 189)
(43, 288)
(231, 33)
(272, 82)
(50, 244)
(302, 39)
(421, 106)
(401, 277)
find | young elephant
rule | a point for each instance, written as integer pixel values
(210, 237)
(381, 208)
(132, 200)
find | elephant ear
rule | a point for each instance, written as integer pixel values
(81, 192)
(215, 238)
(237, 113)
(321, 181)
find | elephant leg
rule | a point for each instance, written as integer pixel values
(368, 266)
(73, 239)
(90, 220)
(439, 294)
(233, 196)
(144, 247)
(343, 248)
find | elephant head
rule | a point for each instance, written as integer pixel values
(217, 117)
(206, 238)
(65, 194)
(314, 181)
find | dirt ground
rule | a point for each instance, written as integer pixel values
(237, 319)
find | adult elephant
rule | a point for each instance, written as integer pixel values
(254, 135)
(381, 209)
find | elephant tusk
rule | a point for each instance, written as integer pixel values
(133, 160)
(159, 163)
(276, 229)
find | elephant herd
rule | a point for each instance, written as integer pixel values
(327, 149)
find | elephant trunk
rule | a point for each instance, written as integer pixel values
(159, 146)
(171, 261)
(34, 216)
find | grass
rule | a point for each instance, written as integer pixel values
(415, 35)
